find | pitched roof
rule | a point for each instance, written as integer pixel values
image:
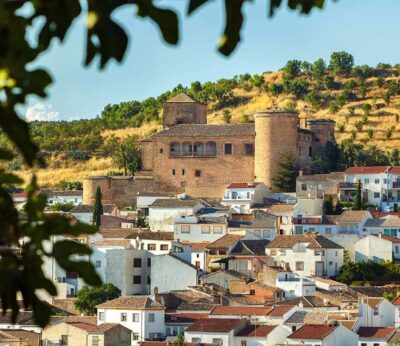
(241, 185)
(210, 325)
(126, 233)
(281, 208)
(322, 177)
(255, 331)
(125, 243)
(374, 302)
(182, 97)
(312, 331)
(307, 317)
(280, 310)
(88, 208)
(376, 332)
(62, 193)
(314, 240)
(197, 305)
(307, 302)
(254, 247)
(225, 241)
(184, 317)
(175, 203)
(203, 130)
(388, 238)
(383, 222)
(198, 247)
(20, 335)
(265, 221)
(353, 216)
(396, 301)
(375, 291)
(241, 310)
(367, 170)
(131, 303)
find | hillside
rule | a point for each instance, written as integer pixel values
(364, 102)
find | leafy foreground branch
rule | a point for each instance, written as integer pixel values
(25, 244)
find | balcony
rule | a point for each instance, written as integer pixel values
(193, 154)
(396, 185)
(306, 220)
(347, 186)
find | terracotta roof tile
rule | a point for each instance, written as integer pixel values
(125, 243)
(126, 233)
(388, 237)
(131, 303)
(184, 317)
(312, 331)
(353, 216)
(280, 310)
(383, 222)
(225, 241)
(281, 208)
(182, 97)
(314, 240)
(211, 325)
(198, 247)
(367, 170)
(255, 331)
(396, 301)
(376, 332)
(241, 310)
(175, 203)
(241, 185)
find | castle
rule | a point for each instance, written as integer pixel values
(191, 156)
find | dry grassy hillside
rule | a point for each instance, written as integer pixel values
(382, 118)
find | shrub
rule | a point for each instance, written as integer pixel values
(341, 127)
(297, 87)
(60, 206)
(389, 132)
(275, 89)
(370, 133)
(291, 69)
(333, 108)
(291, 105)
(359, 125)
(341, 63)
(227, 116)
(379, 82)
(318, 69)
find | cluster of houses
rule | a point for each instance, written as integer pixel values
(254, 267)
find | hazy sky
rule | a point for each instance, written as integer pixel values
(369, 29)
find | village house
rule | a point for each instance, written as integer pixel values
(261, 335)
(177, 323)
(319, 185)
(84, 212)
(376, 312)
(377, 248)
(63, 196)
(198, 255)
(396, 304)
(306, 255)
(284, 212)
(386, 224)
(83, 330)
(353, 221)
(143, 316)
(323, 335)
(225, 279)
(240, 197)
(163, 212)
(19, 337)
(258, 291)
(220, 248)
(375, 336)
(255, 314)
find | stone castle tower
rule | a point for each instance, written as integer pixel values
(275, 136)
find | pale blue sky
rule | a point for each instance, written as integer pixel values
(369, 29)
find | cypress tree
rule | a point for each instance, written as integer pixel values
(284, 179)
(357, 204)
(97, 208)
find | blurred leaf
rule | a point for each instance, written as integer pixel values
(195, 4)
(303, 6)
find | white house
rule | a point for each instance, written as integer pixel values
(353, 221)
(284, 211)
(169, 272)
(119, 263)
(261, 335)
(377, 248)
(207, 331)
(198, 255)
(396, 304)
(200, 228)
(255, 314)
(323, 335)
(162, 212)
(64, 196)
(306, 255)
(325, 225)
(142, 315)
(375, 336)
(388, 225)
(376, 312)
(241, 197)
(143, 203)
(294, 285)
(84, 212)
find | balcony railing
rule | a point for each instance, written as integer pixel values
(347, 185)
(306, 220)
(193, 154)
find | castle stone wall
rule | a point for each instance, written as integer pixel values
(184, 113)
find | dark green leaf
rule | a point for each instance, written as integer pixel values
(195, 4)
(304, 6)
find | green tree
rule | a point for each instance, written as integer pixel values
(275, 89)
(62, 206)
(357, 203)
(227, 116)
(89, 297)
(328, 205)
(318, 69)
(285, 177)
(180, 340)
(97, 208)
(292, 69)
(341, 63)
(128, 156)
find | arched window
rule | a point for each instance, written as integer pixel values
(187, 149)
(175, 149)
(198, 149)
(211, 149)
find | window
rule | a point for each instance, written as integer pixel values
(252, 292)
(164, 247)
(95, 340)
(173, 172)
(205, 229)
(137, 263)
(185, 229)
(183, 172)
(317, 253)
(101, 316)
(377, 194)
(197, 173)
(123, 317)
(135, 317)
(376, 312)
(310, 151)
(149, 262)
(384, 181)
(303, 187)
(243, 343)
(298, 230)
(217, 229)
(366, 181)
(135, 336)
(137, 279)
(98, 264)
(249, 149)
(300, 265)
(330, 263)
(311, 229)
(161, 150)
(151, 247)
(217, 341)
(152, 317)
(257, 233)
(364, 344)
(196, 340)
(228, 148)
(397, 249)
(148, 280)
(266, 233)
(376, 181)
